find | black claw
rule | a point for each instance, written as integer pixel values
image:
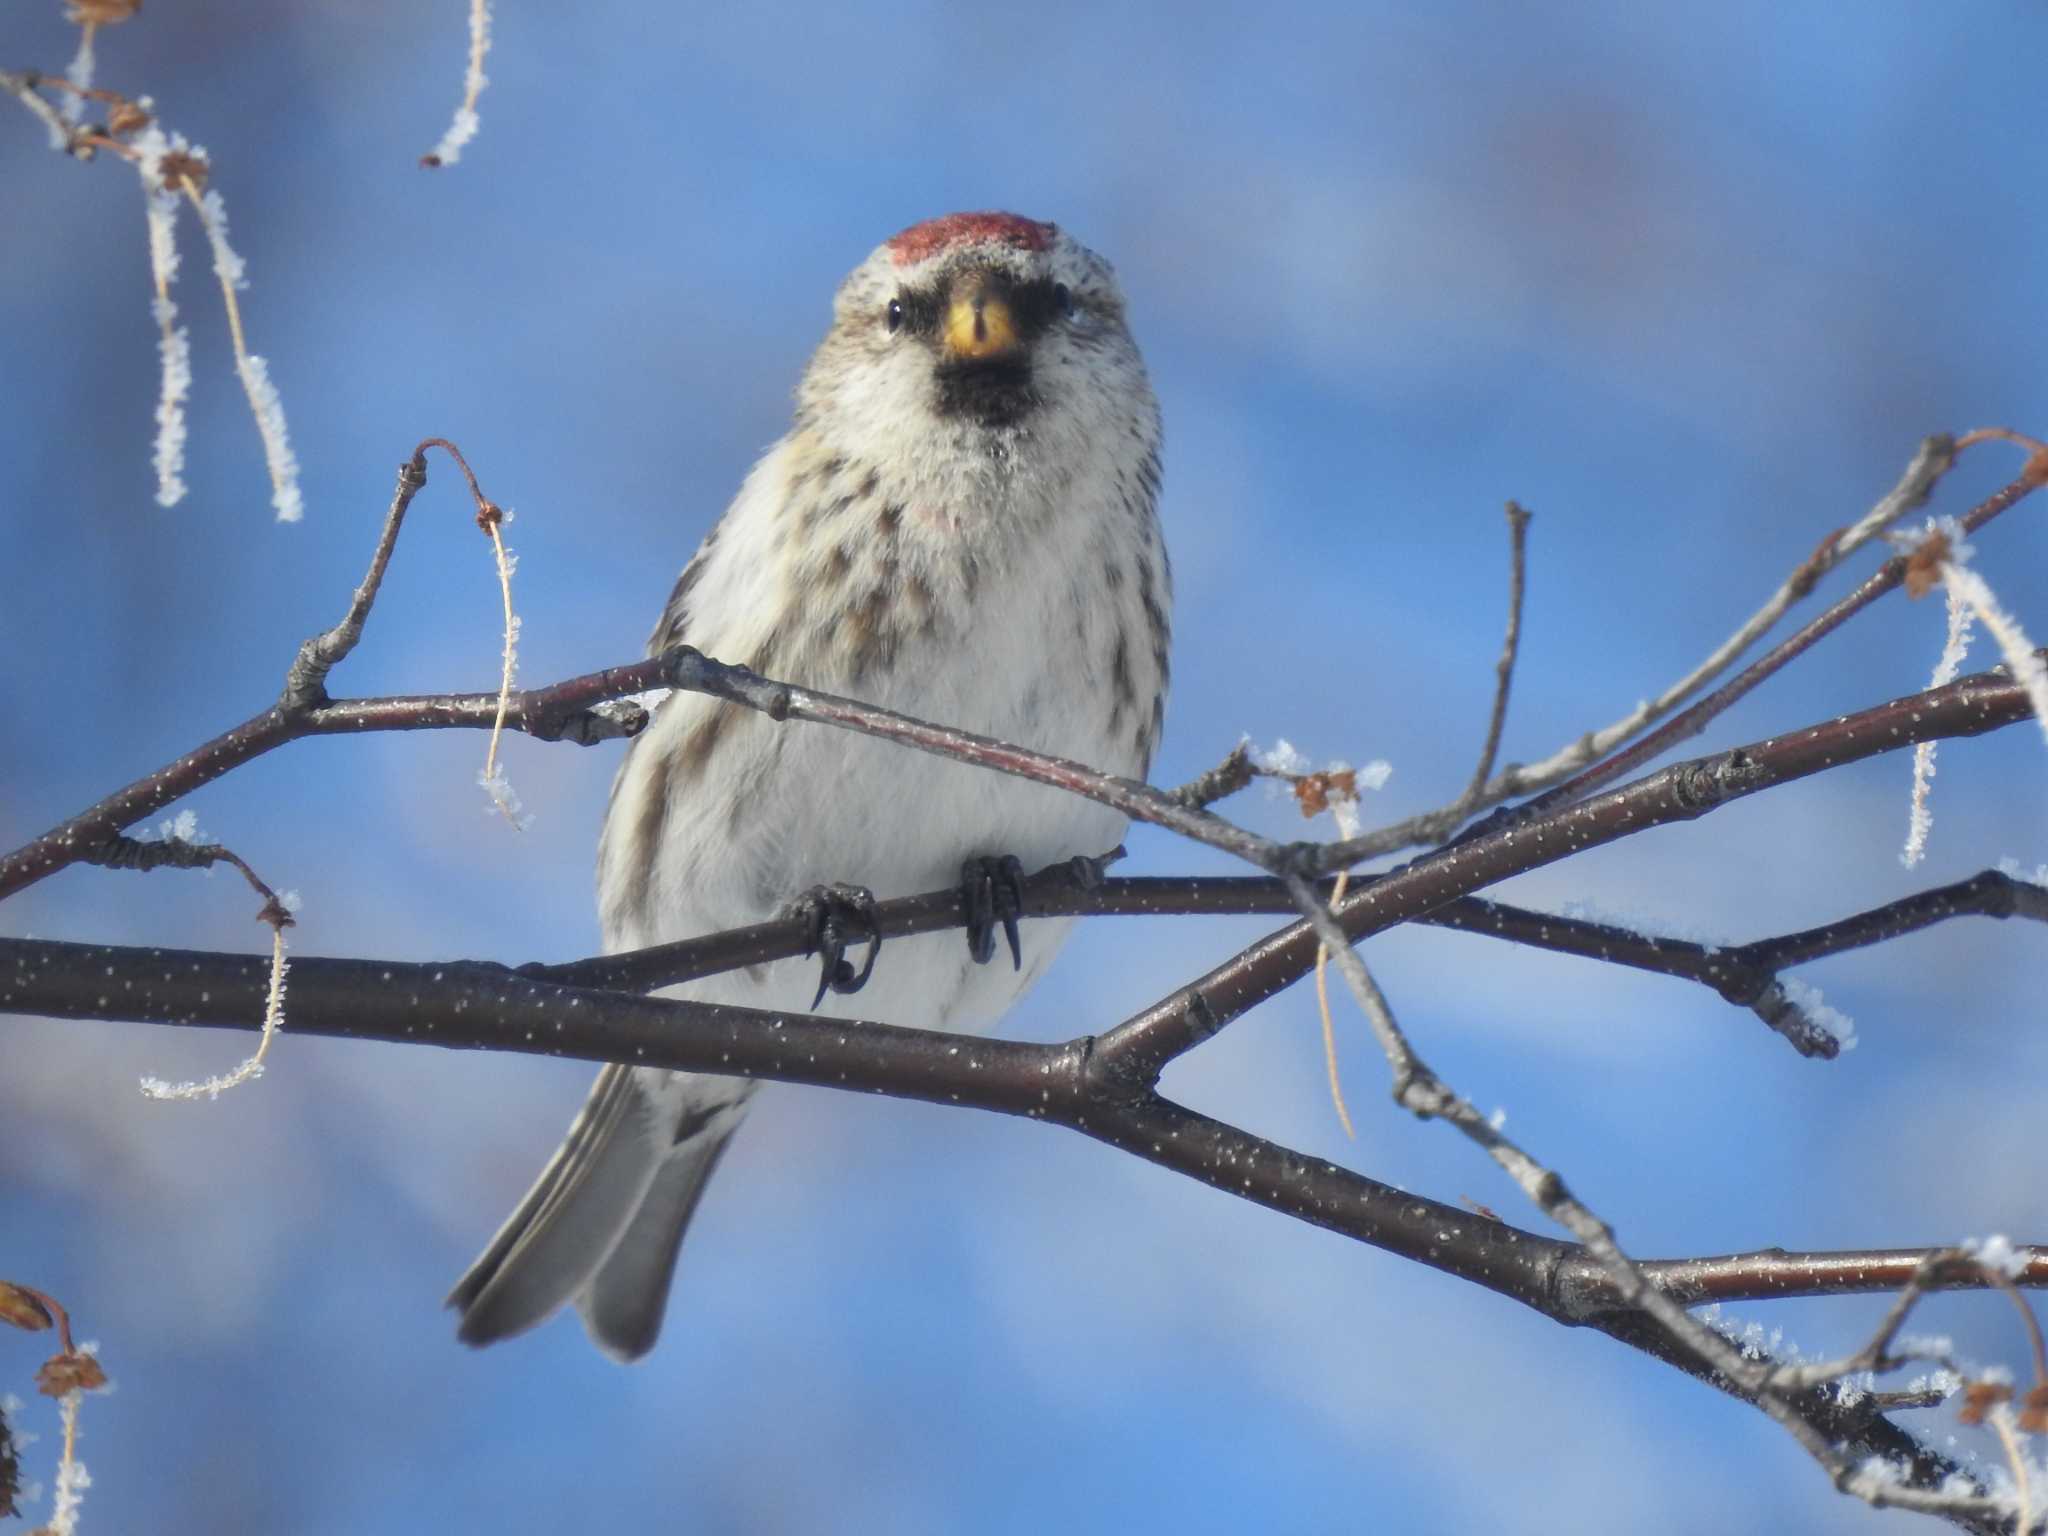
(840, 916)
(992, 892)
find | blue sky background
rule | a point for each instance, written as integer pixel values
(1690, 283)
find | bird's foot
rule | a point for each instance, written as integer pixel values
(840, 916)
(992, 893)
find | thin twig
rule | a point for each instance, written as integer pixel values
(179, 852)
(569, 710)
(2033, 446)
(1682, 791)
(490, 517)
(1315, 791)
(1931, 460)
(584, 710)
(1329, 1024)
(183, 853)
(688, 669)
(251, 1066)
(1418, 1089)
(305, 685)
(58, 1314)
(1954, 650)
(2016, 1461)
(685, 668)
(1747, 975)
(1911, 491)
(1886, 578)
(1740, 973)
(21, 85)
(1876, 1355)
(264, 402)
(2028, 1321)
(1220, 782)
(1504, 669)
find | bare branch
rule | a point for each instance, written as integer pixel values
(1934, 458)
(305, 685)
(482, 1005)
(22, 86)
(1886, 578)
(1927, 466)
(1503, 847)
(582, 710)
(1504, 669)
(475, 1004)
(1220, 782)
(1747, 974)
(1419, 1090)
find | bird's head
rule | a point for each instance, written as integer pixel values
(979, 327)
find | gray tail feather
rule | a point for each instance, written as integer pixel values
(623, 1304)
(585, 1197)
(604, 1220)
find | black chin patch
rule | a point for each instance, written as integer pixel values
(995, 393)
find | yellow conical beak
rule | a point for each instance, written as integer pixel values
(979, 325)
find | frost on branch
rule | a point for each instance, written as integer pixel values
(1998, 1254)
(278, 913)
(174, 342)
(79, 72)
(174, 352)
(171, 168)
(277, 448)
(1954, 649)
(181, 828)
(1334, 788)
(504, 799)
(1941, 556)
(463, 128)
(72, 1478)
(2012, 869)
(66, 1376)
(255, 373)
(1820, 1016)
(1315, 790)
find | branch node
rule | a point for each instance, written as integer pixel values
(609, 721)
(1807, 1036)
(1709, 782)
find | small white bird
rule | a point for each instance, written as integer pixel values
(960, 525)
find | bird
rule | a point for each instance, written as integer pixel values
(960, 524)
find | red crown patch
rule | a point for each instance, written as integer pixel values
(935, 235)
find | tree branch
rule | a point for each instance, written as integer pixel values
(480, 1005)
(1885, 578)
(471, 1004)
(1105, 1086)
(1507, 846)
(1933, 460)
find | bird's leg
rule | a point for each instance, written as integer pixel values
(992, 892)
(840, 917)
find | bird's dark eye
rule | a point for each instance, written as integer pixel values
(1063, 299)
(895, 316)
